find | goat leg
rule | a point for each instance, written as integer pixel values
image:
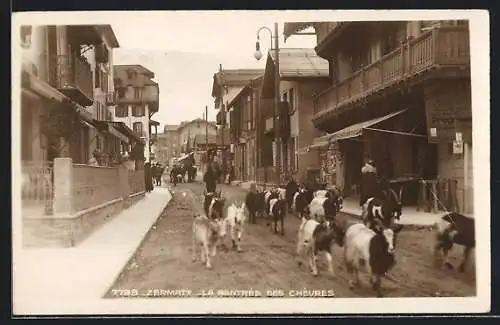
(329, 259)
(194, 249)
(465, 260)
(377, 285)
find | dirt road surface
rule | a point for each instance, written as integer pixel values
(268, 262)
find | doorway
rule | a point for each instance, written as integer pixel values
(353, 155)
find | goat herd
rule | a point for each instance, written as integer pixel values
(370, 243)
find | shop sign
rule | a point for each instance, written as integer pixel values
(448, 111)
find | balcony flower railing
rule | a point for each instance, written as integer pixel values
(444, 46)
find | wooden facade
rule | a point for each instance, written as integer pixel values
(423, 67)
(431, 52)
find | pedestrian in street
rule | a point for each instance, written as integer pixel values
(148, 177)
(369, 182)
(291, 188)
(210, 179)
(231, 173)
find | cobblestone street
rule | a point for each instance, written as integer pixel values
(268, 261)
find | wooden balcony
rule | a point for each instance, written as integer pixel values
(445, 47)
(323, 29)
(73, 77)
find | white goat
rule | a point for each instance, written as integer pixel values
(206, 233)
(235, 219)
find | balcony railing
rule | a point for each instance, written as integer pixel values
(323, 29)
(73, 77)
(445, 47)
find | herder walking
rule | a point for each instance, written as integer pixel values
(210, 178)
(369, 181)
(148, 179)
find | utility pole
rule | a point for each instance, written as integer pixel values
(276, 119)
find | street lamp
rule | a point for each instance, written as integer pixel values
(258, 56)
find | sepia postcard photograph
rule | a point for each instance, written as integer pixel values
(250, 162)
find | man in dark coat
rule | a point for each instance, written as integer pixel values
(291, 188)
(210, 179)
(148, 177)
(369, 182)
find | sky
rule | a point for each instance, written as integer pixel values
(184, 48)
(185, 51)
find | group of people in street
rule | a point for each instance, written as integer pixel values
(152, 175)
(223, 171)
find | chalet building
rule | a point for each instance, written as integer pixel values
(67, 66)
(70, 145)
(242, 136)
(137, 100)
(204, 143)
(237, 97)
(188, 130)
(400, 95)
(167, 146)
(302, 74)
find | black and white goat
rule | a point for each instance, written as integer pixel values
(454, 228)
(372, 248)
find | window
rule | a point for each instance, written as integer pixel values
(121, 111)
(137, 127)
(97, 76)
(98, 110)
(104, 81)
(137, 93)
(138, 110)
(291, 99)
(130, 75)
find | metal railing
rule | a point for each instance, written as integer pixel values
(37, 189)
(444, 46)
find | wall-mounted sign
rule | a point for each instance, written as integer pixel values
(458, 147)
(448, 111)
(433, 132)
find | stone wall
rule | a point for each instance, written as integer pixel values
(85, 197)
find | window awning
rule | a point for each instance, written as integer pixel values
(351, 131)
(118, 129)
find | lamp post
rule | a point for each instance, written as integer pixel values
(206, 129)
(258, 56)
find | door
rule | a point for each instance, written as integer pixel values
(353, 163)
(243, 163)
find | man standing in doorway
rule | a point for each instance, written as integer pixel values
(368, 181)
